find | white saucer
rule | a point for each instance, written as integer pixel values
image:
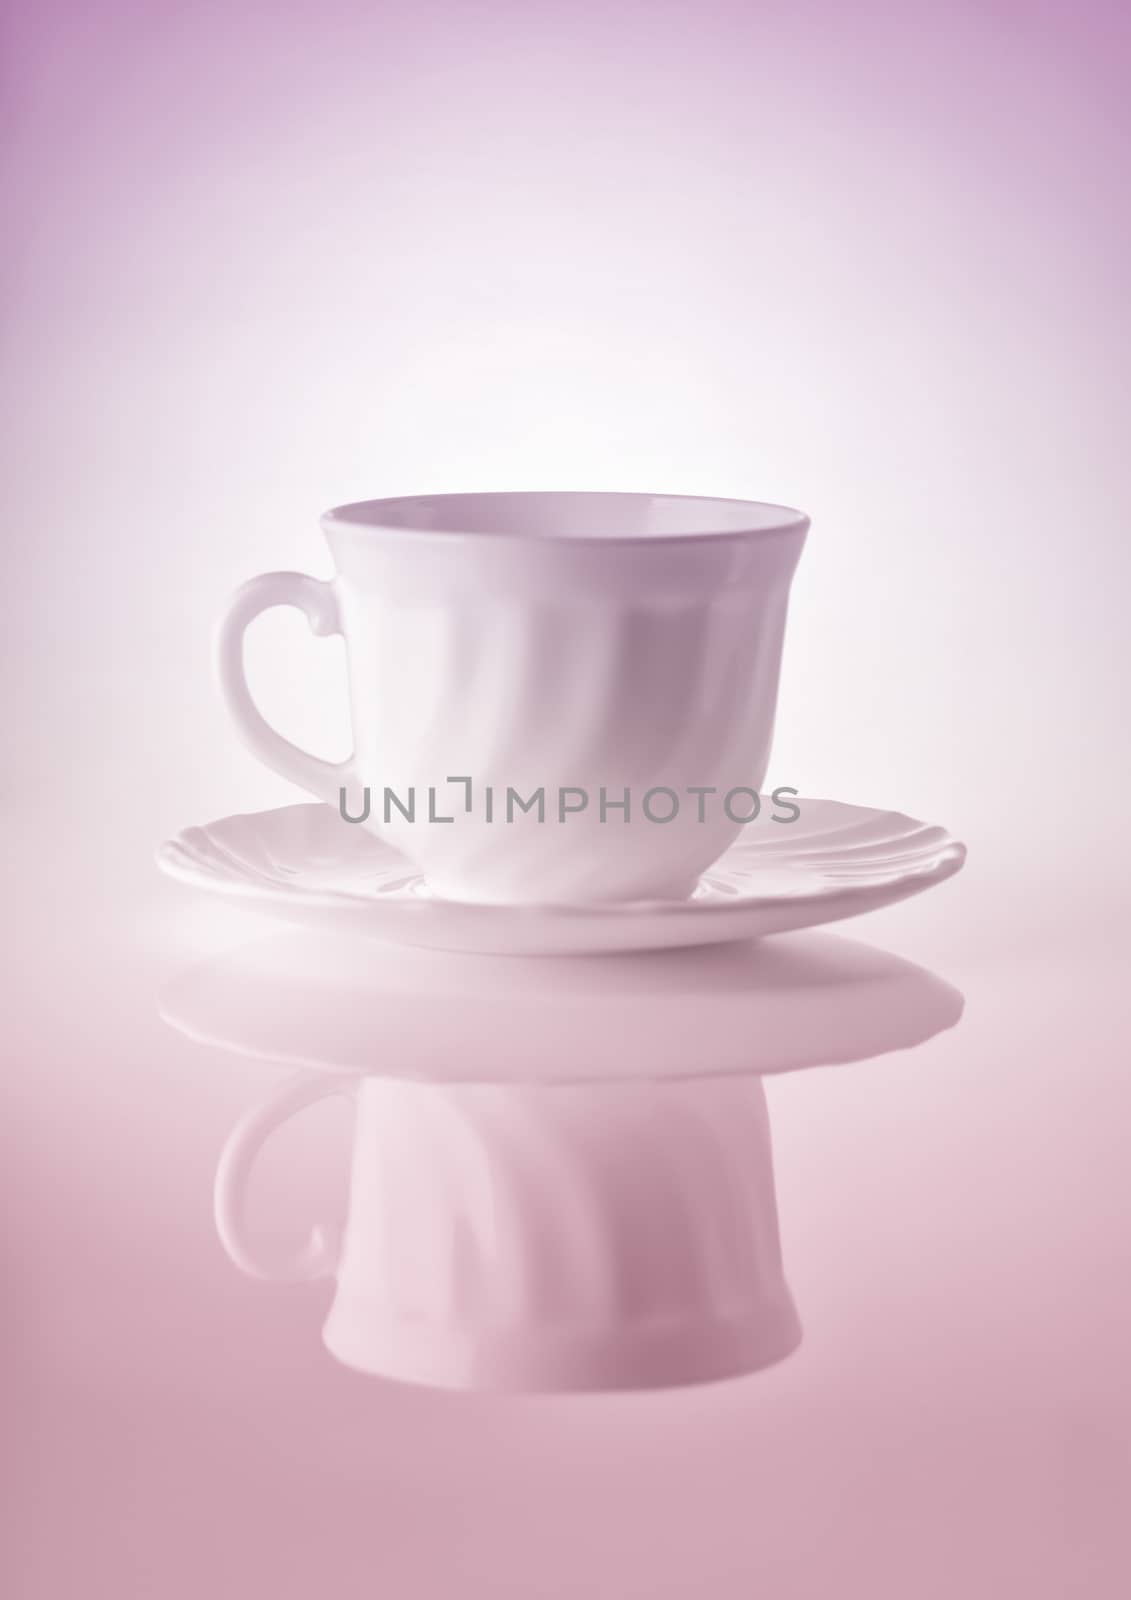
(306, 864)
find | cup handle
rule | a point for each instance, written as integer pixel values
(318, 1257)
(318, 601)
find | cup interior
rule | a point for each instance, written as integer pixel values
(571, 514)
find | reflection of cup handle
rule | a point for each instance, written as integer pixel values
(319, 603)
(318, 1258)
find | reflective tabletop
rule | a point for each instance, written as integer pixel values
(950, 1416)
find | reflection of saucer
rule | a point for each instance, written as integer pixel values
(304, 863)
(329, 1001)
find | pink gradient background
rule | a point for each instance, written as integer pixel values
(870, 260)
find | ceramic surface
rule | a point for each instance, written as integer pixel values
(304, 863)
(560, 643)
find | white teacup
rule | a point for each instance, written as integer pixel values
(616, 655)
(506, 1237)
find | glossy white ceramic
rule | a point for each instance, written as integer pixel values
(564, 644)
(304, 863)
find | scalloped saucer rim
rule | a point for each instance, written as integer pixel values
(847, 860)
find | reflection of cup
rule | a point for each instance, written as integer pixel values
(621, 1236)
(604, 651)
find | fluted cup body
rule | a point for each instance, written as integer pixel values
(560, 697)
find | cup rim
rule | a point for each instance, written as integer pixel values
(750, 519)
